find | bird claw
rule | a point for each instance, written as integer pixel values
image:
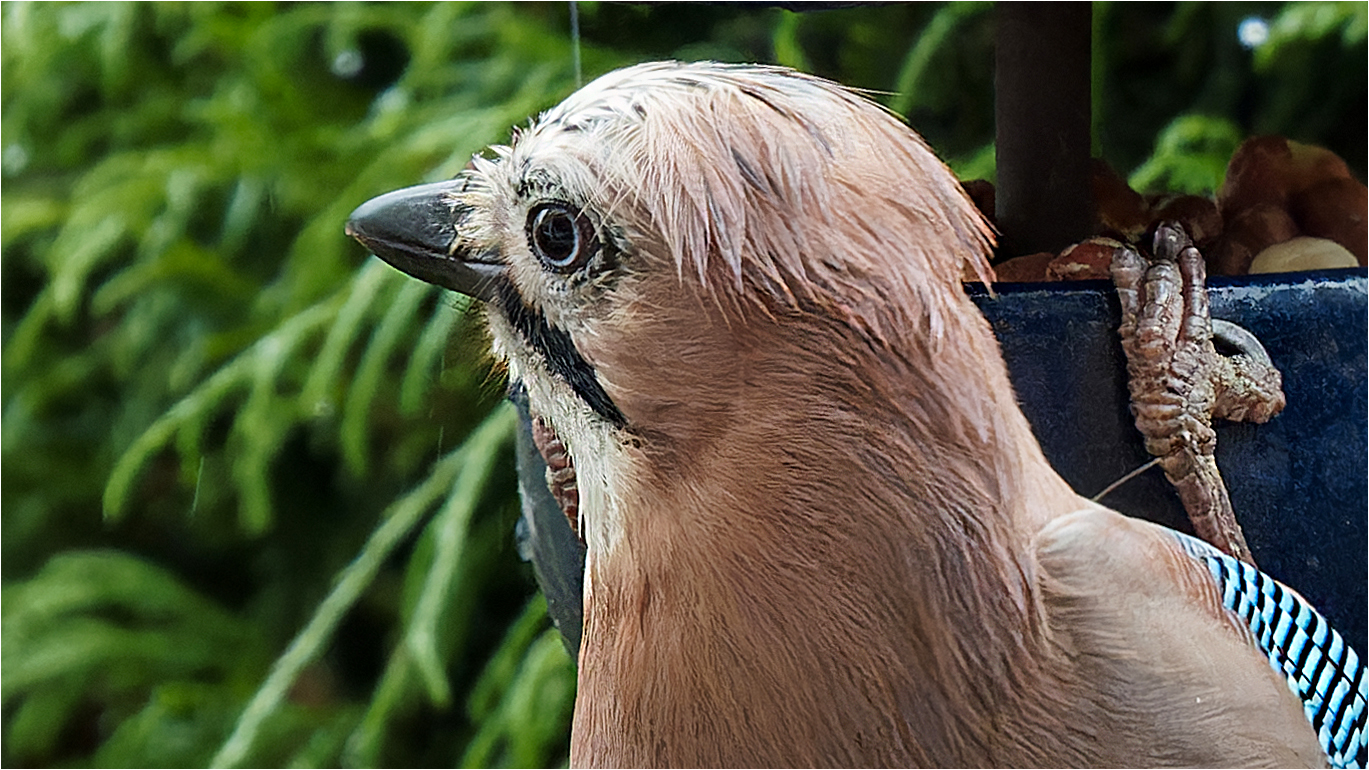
(1179, 381)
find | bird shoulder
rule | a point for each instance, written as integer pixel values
(1169, 673)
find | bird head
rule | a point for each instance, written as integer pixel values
(647, 247)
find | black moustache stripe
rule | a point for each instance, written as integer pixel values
(559, 351)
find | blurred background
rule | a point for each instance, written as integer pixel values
(258, 488)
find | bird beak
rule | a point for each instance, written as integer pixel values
(415, 230)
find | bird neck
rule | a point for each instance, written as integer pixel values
(832, 573)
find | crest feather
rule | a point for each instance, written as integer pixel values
(785, 188)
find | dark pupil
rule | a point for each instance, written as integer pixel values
(556, 236)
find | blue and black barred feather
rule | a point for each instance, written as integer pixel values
(1317, 663)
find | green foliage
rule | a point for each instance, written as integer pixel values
(258, 499)
(524, 694)
(1190, 156)
(1303, 25)
(194, 348)
(104, 621)
(1175, 77)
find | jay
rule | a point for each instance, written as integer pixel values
(819, 530)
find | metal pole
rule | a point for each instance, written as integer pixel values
(1042, 111)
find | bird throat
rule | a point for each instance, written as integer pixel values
(559, 352)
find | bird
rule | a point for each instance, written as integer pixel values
(819, 531)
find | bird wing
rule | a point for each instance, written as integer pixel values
(1157, 617)
(1325, 673)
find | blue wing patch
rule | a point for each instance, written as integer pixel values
(1319, 666)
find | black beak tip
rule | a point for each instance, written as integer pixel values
(420, 217)
(414, 230)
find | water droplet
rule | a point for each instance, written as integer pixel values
(1253, 31)
(348, 63)
(14, 159)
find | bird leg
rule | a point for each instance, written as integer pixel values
(560, 472)
(1179, 382)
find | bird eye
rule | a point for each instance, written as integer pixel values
(563, 238)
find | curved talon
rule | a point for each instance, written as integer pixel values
(1240, 339)
(1169, 240)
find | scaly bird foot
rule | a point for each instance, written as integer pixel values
(1179, 382)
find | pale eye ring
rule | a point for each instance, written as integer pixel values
(562, 237)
